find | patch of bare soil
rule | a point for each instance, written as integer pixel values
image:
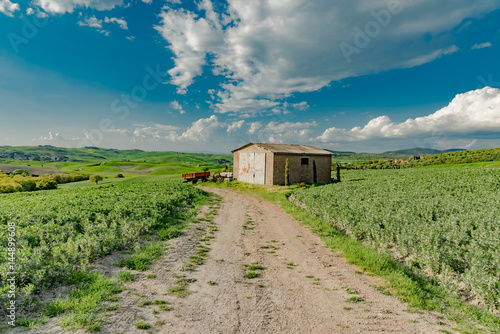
(31, 169)
(302, 288)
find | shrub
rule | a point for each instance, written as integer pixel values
(46, 184)
(21, 172)
(96, 178)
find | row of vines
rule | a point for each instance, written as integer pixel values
(58, 232)
(443, 223)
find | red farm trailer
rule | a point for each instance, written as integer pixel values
(195, 177)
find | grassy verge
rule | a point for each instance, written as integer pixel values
(86, 302)
(410, 288)
(143, 259)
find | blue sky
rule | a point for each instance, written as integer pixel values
(366, 75)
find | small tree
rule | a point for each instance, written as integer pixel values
(315, 172)
(96, 178)
(338, 172)
(287, 173)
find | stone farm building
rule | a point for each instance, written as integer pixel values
(261, 163)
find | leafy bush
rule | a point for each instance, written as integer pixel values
(96, 178)
(46, 184)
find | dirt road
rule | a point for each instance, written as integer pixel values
(304, 287)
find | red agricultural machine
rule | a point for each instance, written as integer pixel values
(204, 177)
(195, 177)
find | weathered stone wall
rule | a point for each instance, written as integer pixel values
(275, 167)
(302, 173)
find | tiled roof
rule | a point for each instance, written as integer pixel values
(288, 148)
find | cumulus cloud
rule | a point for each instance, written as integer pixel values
(481, 46)
(177, 106)
(68, 6)
(286, 132)
(473, 112)
(199, 131)
(235, 126)
(92, 22)
(8, 8)
(254, 127)
(267, 50)
(121, 22)
(119, 131)
(156, 131)
(190, 39)
(202, 129)
(50, 137)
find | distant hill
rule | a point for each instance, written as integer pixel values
(352, 157)
(418, 159)
(48, 153)
(422, 151)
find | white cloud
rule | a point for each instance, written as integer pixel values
(177, 106)
(68, 6)
(130, 38)
(427, 58)
(50, 137)
(190, 38)
(41, 14)
(121, 22)
(286, 132)
(119, 131)
(254, 127)
(481, 46)
(473, 112)
(148, 1)
(92, 22)
(268, 50)
(156, 131)
(202, 129)
(235, 126)
(8, 8)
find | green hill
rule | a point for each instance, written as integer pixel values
(422, 151)
(93, 160)
(353, 157)
(48, 153)
(489, 156)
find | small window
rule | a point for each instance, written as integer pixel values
(304, 161)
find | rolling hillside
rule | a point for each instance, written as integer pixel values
(108, 162)
(47, 153)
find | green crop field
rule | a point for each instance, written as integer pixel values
(440, 222)
(56, 233)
